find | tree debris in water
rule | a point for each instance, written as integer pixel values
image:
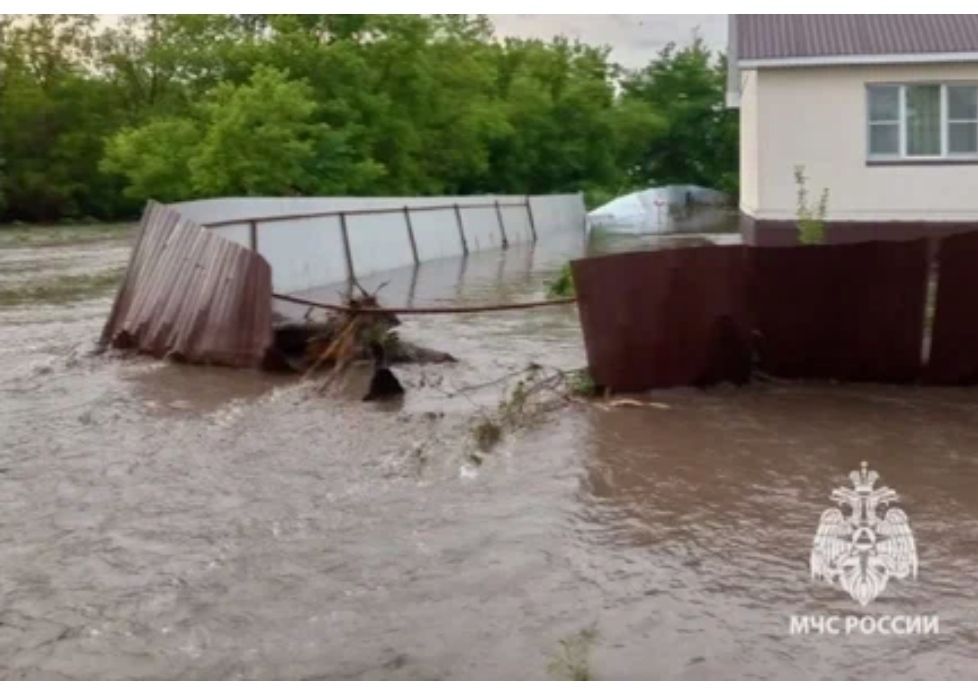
(345, 337)
(383, 383)
(537, 391)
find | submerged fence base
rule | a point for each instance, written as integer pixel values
(856, 312)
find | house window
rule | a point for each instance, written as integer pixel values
(922, 121)
(962, 120)
(884, 121)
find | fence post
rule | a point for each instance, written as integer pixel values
(461, 230)
(584, 207)
(529, 215)
(253, 234)
(410, 231)
(502, 227)
(346, 249)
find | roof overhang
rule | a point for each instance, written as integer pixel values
(882, 59)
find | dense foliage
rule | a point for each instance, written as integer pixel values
(96, 116)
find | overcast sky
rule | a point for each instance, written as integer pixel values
(634, 38)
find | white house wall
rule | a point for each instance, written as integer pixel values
(816, 117)
(306, 253)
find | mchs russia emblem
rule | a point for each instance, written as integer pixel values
(864, 542)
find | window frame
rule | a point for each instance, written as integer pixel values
(947, 121)
(901, 144)
(902, 124)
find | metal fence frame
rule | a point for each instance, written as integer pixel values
(405, 210)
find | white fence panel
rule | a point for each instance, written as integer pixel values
(517, 223)
(238, 233)
(309, 252)
(554, 214)
(481, 228)
(378, 242)
(436, 232)
(303, 253)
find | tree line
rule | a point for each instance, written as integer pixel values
(96, 116)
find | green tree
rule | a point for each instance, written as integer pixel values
(699, 141)
(155, 158)
(260, 138)
(561, 111)
(96, 117)
(54, 113)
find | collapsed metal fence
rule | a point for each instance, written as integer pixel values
(196, 294)
(855, 312)
(191, 295)
(319, 241)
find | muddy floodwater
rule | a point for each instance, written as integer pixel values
(168, 521)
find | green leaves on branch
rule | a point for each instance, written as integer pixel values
(155, 158)
(259, 138)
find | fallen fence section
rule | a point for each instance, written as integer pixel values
(191, 295)
(854, 312)
(313, 242)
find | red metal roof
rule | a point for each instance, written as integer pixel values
(781, 36)
(192, 295)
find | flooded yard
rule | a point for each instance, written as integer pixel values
(160, 520)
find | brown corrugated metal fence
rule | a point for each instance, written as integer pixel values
(954, 338)
(848, 312)
(664, 318)
(696, 316)
(189, 294)
(682, 316)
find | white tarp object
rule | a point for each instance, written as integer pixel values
(648, 211)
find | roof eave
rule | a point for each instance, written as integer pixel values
(882, 59)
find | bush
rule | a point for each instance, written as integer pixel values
(562, 286)
(811, 222)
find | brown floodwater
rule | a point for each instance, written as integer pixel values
(169, 521)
